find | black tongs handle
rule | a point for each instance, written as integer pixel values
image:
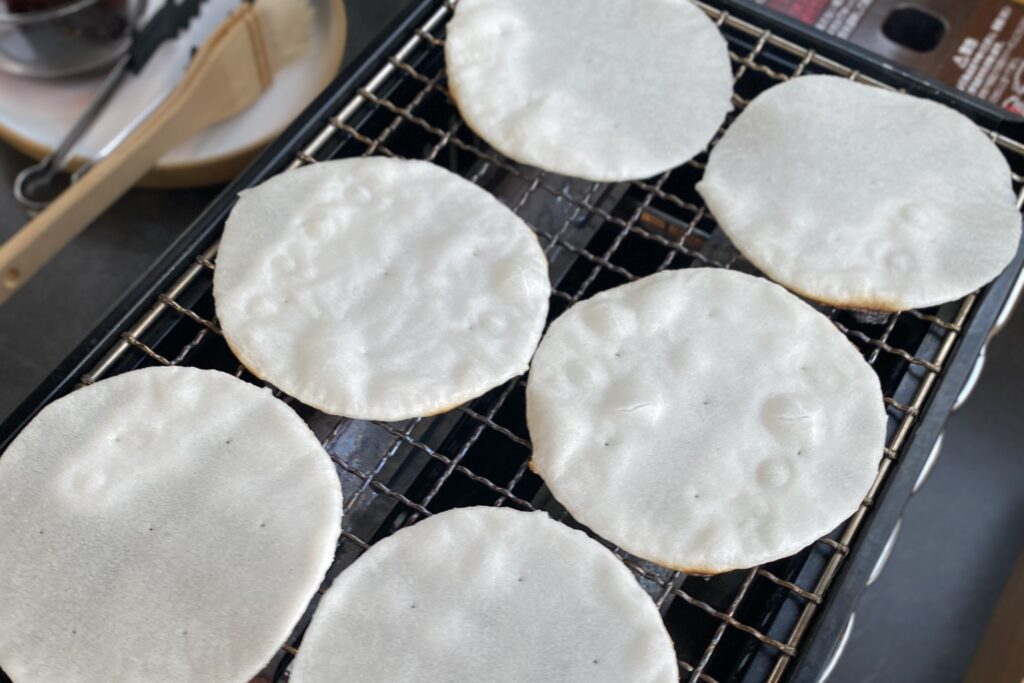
(35, 186)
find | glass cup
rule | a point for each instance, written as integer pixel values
(56, 38)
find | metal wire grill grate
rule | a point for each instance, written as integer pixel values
(747, 623)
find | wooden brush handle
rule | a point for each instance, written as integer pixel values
(44, 236)
(223, 79)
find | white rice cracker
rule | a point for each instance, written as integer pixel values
(863, 198)
(486, 594)
(379, 288)
(704, 419)
(606, 90)
(164, 525)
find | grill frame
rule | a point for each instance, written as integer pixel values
(821, 624)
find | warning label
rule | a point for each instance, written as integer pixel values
(836, 17)
(980, 50)
(988, 60)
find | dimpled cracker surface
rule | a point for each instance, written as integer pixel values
(859, 197)
(379, 288)
(482, 595)
(600, 89)
(164, 525)
(704, 419)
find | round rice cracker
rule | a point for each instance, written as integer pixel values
(484, 594)
(606, 90)
(167, 524)
(704, 419)
(863, 198)
(380, 289)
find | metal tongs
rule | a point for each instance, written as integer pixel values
(34, 186)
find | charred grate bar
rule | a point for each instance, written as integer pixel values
(744, 625)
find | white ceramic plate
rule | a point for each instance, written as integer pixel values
(35, 114)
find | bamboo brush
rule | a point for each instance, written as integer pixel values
(227, 74)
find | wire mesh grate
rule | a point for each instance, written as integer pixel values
(747, 623)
